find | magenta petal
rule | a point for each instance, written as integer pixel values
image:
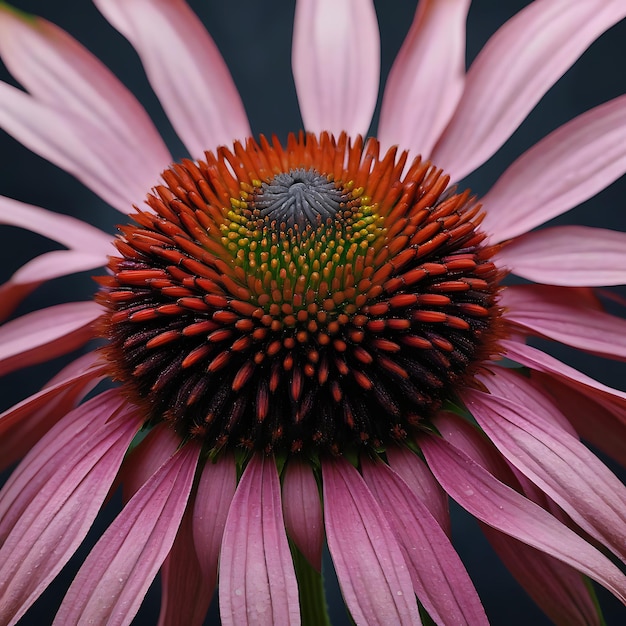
(45, 334)
(558, 313)
(215, 492)
(111, 584)
(557, 463)
(186, 593)
(503, 508)
(52, 498)
(303, 511)
(439, 578)
(373, 575)
(22, 425)
(420, 479)
(257, 579)
(559, 590)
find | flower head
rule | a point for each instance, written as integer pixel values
(314, 340)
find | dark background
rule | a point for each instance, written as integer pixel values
(255, 39)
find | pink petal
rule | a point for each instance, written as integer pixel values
(45, 334)
(499, 506)
(98, 159)
(439, 578)
(558, 464)
(558, 313)
(429, 70)
(257, 579)
(188, 74)
(542, 362)
(568, 255)
(303, 511)
(602, 425)
(215, 492)
(62, 74)
(419, 478)
(567, 167)
(52, 498)
(25, 423)
(112, 582)
(373, 576)
(68, 231)
(186, 594)
(559, 590)
(336, 64)
(509, 76)
(45, 267)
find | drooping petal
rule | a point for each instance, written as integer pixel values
(257, 578)
(188, 74)
(62, 74)
(558, 464)
(22, 425)
(557, 313)
(44, 267)
(371, 569)
(571, 256)
(601, 424)
(426, 80)
(215, 492)
(52, 498)
(110, 168)
(559, 590)
(112, 582)
(68, 231)
(186, 594)
(567, 167)
(542, 362)
(509, 76)
(303, 511)
(45, 334)
(336, 64)
(438, 575)
(420, 479)
(499, 506)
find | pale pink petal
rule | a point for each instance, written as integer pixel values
(567, 167)
(568, 255)
(25, 423)
(336, 64)
(215, 492)
(61, 73)
(558, 313)
(257, 579)
(303, 511)
(559, 590)
(186, 594)
(499, 506)
(45, 334)
(373, 575)
(110, 168)
(602, 425)
(68, 231)
(438, 575)
(542, 362)
(509, 76)
(420, 479)
(187, 72)
(111, 584)
(426, 80)
(45, 267)
(54, 495)
(558, 464)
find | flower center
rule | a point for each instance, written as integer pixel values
(305, 298)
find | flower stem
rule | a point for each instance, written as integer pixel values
(313, 608)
